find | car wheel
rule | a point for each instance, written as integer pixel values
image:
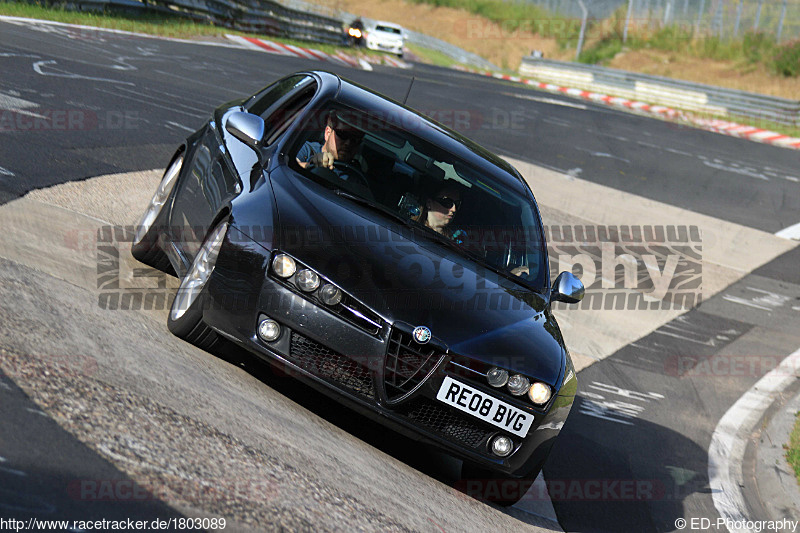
(145, 241)
(185, 318)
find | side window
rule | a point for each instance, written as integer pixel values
(287, 116)
(280, 103)
(265, 98)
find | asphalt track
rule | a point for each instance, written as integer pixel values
(642, 420)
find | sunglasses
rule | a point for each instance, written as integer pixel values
(349, 136)
(448, 203)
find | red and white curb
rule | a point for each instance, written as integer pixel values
(716, 125)
(748, 132)
(387, 60)
(294, 51)
(339, 58)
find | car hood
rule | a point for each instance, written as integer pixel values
(404, 276)
(386, 36)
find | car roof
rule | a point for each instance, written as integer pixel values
(359, 97)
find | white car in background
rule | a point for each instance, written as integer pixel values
(386, 37)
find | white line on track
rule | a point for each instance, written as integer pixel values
(150, 103)
(181, 126)
(728, 443)
(5, 172)
(545, 100)
(792, 232)
(13, 472)
(52, 71)
(13, 103)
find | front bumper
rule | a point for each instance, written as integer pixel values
(349, 364)
(385, 47)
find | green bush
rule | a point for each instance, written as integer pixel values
(786, 61)
(601, 52)
(674, 38)
(758, 46)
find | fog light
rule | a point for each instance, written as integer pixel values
(539, 393)
(268, 330)
(283, 265)
(502, 445)
(518, 385)
(497, 377)
(307, 280)
(330, 294)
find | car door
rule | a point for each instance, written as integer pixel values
(221, 165)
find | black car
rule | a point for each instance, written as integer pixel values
(408, 277)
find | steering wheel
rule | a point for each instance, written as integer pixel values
(352, 171)
(356, 181)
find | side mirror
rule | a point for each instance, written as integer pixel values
(247, 128)
(567, 288)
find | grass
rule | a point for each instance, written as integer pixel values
(748, 51)
(510, 15)
(793, 448)
(434, 57)
(162, 24)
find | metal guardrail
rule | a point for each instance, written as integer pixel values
(663, 91)
(262, 16)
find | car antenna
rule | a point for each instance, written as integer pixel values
(409, 89)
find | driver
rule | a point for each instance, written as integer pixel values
(342, 142)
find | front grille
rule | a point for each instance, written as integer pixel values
(321, 361)
(447, 422)
(407, 365)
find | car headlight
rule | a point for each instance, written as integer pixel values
(330, 294)
(518, 384)
(539, 393)
(497, 377)
(307, 280)
(283, 265)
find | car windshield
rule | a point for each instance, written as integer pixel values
(388, 29)
(384, 165)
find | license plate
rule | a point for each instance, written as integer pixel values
(486, 407)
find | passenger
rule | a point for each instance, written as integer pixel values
(439, 211)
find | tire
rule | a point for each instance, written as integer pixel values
(145, 246)
(185, 319)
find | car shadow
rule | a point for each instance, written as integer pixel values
(605, 476)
